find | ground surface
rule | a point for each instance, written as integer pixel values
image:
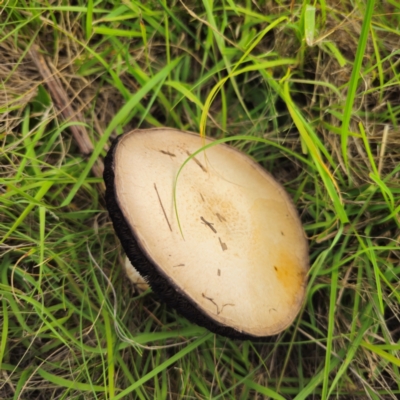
(314, 88)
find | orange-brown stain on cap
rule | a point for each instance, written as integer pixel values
(290, 274)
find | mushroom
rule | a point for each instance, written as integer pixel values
(221, 242)
(132, 273)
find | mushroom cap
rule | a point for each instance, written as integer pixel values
(237, 260)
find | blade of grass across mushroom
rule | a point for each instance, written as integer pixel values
(119, 119)
(211, 96)
(226, 140)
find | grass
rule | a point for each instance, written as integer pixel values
(310, 90)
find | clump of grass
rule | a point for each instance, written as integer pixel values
(316, 84)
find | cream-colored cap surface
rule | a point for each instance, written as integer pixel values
(243, 256)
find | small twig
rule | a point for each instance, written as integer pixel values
(209, 224)
(63, 103)
(197, 161)
(162, 207)
(223, 245)
(216, 305)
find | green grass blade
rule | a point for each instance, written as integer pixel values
(89, 19)
(331, 328)
(327, 177)
(350, 355)
(62, 382)
(189, 348)
(309, 24)
(380, 352)
(354, 79)
(263, 390)
(44, 188)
